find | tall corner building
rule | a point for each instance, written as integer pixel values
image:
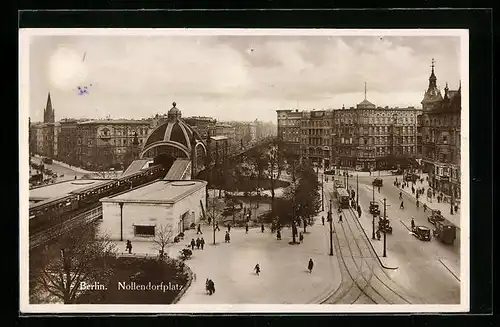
(440, 136)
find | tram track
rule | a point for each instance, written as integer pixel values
(360, 282)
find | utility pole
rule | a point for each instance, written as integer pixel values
(322, 195)
(213, 215)
(357, 191)
(385, 221)
(121, 221)
(330, 219)
(373, 226)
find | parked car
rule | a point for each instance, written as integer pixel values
(374, 208)
(422, 233)
(435, 216)
(377, 181)
(384, 225)
(397, 172)
(47, 161)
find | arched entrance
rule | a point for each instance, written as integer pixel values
(164, 159)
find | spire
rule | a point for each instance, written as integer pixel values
(432, 78)
(365, 90)
(48, 113)
(446, 91)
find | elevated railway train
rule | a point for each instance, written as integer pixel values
(56, 210)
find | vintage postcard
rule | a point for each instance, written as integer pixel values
(235, 170)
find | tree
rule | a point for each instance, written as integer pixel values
(82, 259)
(272, 164)
(163, 239)
(214, 211)
(292, 161)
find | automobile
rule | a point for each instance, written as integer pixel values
(377, 181)
(397, 172)
(47, 160)
(423, 233)
(435, 216)
(384, 225)
(374, 208)
(445, 232)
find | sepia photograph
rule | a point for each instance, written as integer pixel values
(243, 170)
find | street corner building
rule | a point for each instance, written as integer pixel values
(139, 214)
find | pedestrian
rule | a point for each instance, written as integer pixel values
(229, 227)
(400, 195)
(379, 189)
(262, 228)
(301, 237)
(209, 220)
(323, 220)
(340, 218)
(418, 204)
(207, 287)
(246, 228)
(198, 243)
(227, 238)
(211, 286)
(310, 265)
(193, 243)
(401, 206)
(128, 247)
(412, 224)
(202, 243)
(217, 226)
(278, 235)
(257, 269)
(378, 234)
(425, 207)
(418, 195)
(199, 230)
(359, 212)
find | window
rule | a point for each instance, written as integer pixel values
(144, 230)
(445, 139)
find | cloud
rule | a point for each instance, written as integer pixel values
(232, 77)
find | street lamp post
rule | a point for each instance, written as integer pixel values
(385, 242)
(121, 221)
(373, 226)
(322, 196)
(357, 191)
(330, 219)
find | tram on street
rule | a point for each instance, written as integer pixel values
(342, 197)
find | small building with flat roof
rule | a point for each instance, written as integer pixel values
(142, 213)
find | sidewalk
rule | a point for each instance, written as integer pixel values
(284, 277)
(432, 203)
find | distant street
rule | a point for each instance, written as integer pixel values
(60, 170)
(430, 270)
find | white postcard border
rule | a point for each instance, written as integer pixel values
(26, 307)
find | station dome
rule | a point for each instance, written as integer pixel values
(175, 135)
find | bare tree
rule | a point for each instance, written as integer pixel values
(215, 207)
(82, 259)
(163, 239)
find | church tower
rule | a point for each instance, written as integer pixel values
(48, 112)
(432, 95)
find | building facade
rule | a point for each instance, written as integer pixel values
(105, 144)
(289, 128)
(440, 135)
(364, 137)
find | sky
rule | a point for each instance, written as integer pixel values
(232, 77)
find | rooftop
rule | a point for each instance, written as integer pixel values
(159, 192)
(114, 122)
(63, 188)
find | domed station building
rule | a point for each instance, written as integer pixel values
(177, 146)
